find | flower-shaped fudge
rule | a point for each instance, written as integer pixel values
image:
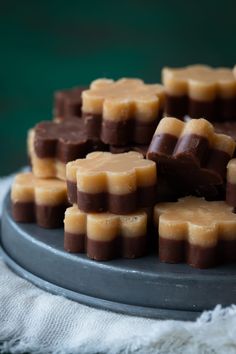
(194, 230)
(122, 112)
(52, 144)
(118, 183)
(40, 200)
(105, 236)
(68, 103)
(190, 154)
(200, 91)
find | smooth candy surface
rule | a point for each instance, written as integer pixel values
(123, 99)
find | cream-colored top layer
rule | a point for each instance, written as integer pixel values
(231, 171)
(199, 82)
(105, 226)
(201, 127)
(27, 188)
(196, 220)
(112, 173)
(170, 125)
(123, 99)
(30, 141)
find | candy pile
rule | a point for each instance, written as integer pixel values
(127, 165)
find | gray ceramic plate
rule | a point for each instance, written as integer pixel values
(142, 287)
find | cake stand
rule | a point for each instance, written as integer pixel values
(140, 287)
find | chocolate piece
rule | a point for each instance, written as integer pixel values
(190, 154)
(200, 91)
(51, 145)
(123, 112)
(40, 200)
(68, 103)
(231, 184)
(120, 183)
(196, 231)
(105, 236)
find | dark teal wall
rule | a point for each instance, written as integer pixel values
(45, 45)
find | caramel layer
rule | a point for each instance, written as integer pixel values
(105, 226)
(200, 82)
(123, 99)
(27, 188)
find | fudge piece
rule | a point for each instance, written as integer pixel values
(194, 230)
(104, 236)
(118, 183)
(68, 103)
(122, 112)
(200, 91)
(231, 184)
(51, 145)
(43, 201)
(190, 155)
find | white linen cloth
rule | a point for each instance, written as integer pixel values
(32, 320)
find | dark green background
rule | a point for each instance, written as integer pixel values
(45, 45)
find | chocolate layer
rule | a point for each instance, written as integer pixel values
(114, 203)
(119, 133)
(202, 109)
(228, 128)
(191, 147)
(68, 103)
(74, 243)
(44, 215)
(216, 110)
(231, 194)
(65, 141)
(163, 143)
(176, 106)
(103, 250)
(173, 251)
(125, 247)
(23, 211)
(50, 217)
(134, 247)
(120, 149)
(217, 161)
(93, 123)
(192, 154)
(211, 192)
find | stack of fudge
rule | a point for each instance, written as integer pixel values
(125, 164)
